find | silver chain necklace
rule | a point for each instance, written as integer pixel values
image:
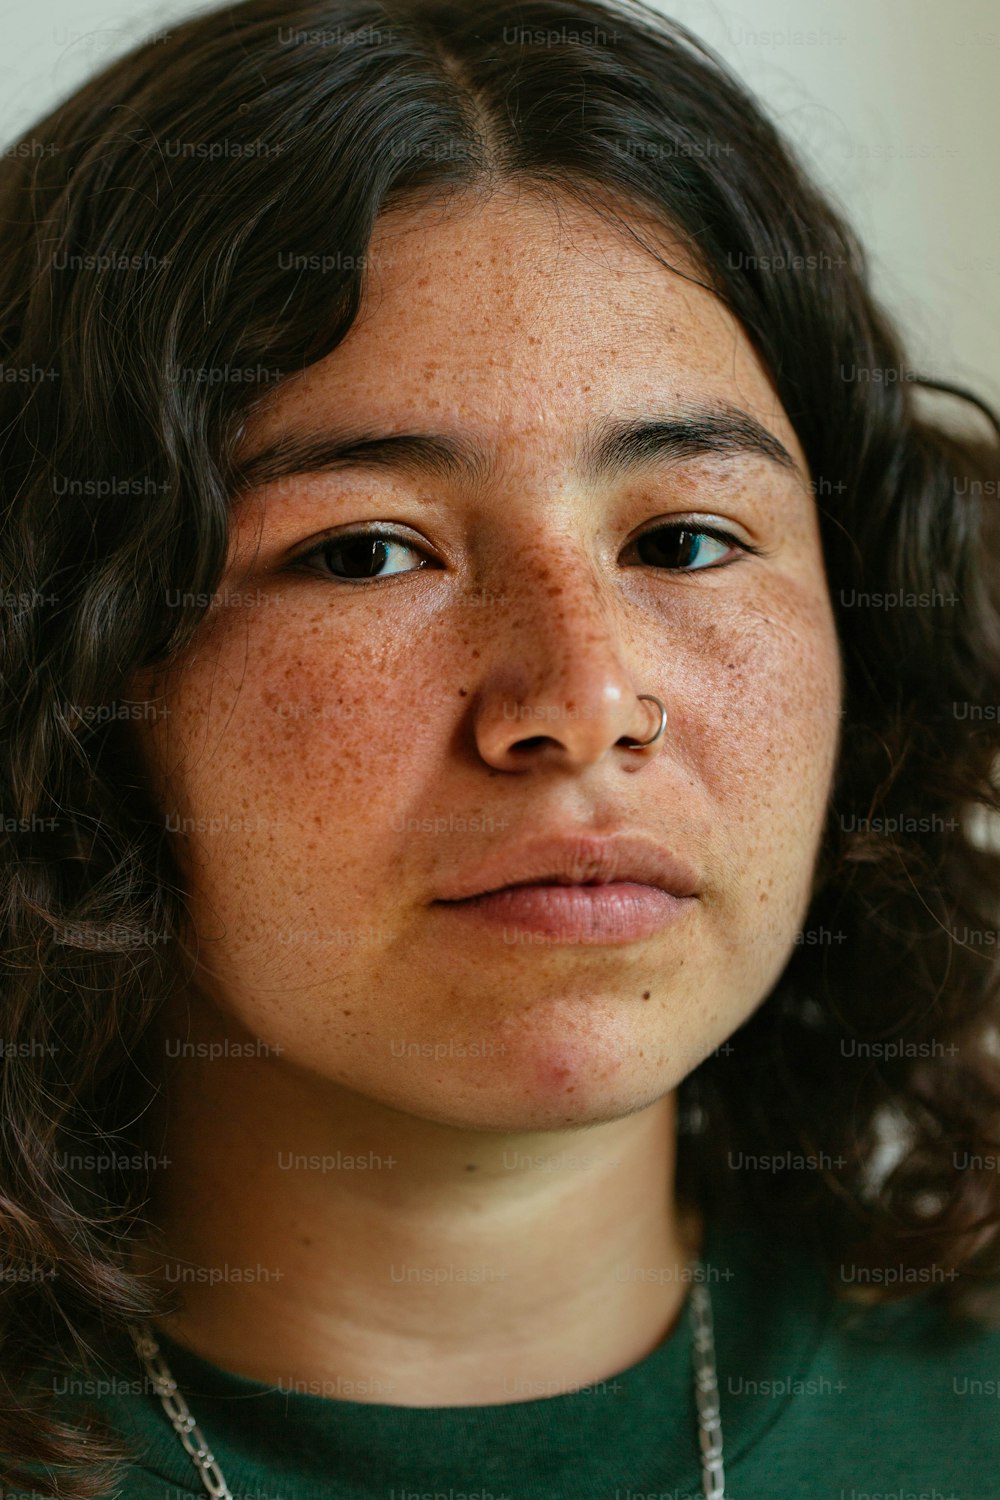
(706, 1394)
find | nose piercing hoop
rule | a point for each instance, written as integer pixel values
(641, 744)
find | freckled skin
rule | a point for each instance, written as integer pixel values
(331, 714)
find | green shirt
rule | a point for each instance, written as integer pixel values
(819, 1401)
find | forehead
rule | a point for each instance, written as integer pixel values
(524, 314)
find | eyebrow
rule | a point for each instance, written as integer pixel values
(612, 447)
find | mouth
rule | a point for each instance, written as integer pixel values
(573, 887)
(561, 911)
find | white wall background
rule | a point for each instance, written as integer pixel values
(895, 104)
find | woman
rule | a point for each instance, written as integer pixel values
(498, 679)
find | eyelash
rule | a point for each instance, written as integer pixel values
(715, 533)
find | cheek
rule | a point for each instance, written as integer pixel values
(761, 709)
(296, 751)
(766, 738)
(290, 702)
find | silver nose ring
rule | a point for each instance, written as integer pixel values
(641, 744)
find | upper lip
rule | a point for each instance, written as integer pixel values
(576, 860)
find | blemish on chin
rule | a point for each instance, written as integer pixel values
(555, 1074)
(561, 1073)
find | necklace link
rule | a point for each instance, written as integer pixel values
(179, 1413)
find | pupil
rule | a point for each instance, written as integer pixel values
(360, 556)
(668, 543)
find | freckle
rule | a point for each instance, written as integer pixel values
(470, 1166)
(346, 1012)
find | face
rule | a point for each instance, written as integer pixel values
(356, 724)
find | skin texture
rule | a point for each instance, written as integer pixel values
(313, 718)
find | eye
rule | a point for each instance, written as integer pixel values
(367, 555)
(361, 556)
(682, 548)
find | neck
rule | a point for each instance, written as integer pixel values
(315, 1237)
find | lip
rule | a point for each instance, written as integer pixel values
(610, 912)
(580, 860)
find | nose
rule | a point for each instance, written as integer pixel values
(562, 689)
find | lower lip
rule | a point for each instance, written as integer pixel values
(614, 913)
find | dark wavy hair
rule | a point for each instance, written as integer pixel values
(164, 224)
